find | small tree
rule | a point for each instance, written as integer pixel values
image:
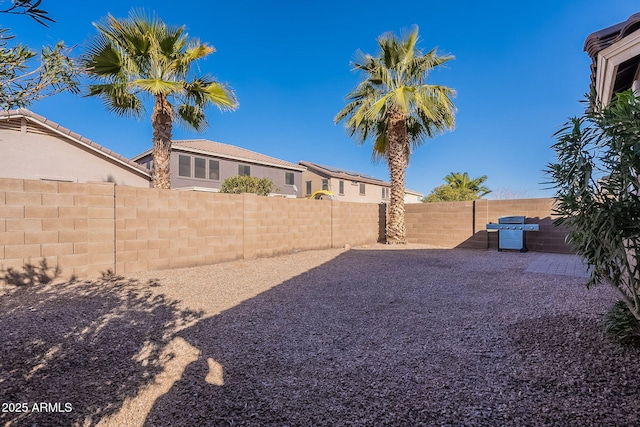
(597, 180)
(248, 184)
(459, 187)
(447, 193)
(21, 81)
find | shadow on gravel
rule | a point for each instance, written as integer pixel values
(73, 352)
(407, 338)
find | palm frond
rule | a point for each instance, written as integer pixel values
(144, 54)
(157, 86)
(117, 99)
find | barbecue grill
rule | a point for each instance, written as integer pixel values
(511, 232)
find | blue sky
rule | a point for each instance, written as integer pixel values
(520, 72)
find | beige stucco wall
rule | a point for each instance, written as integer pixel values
(28, 155)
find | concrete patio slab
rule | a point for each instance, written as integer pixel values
(558, 264)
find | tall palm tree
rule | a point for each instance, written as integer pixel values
(142, 56)
(396, 106)
(463, 181)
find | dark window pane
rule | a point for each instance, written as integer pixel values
(308, 188)
(288, 178)
(199, 167)
(184, 166)
(214, 170)
(325, 184)
(341, 187)
(362, 189)
(244, 170)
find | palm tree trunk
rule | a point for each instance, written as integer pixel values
(397, 157)
(162, 123)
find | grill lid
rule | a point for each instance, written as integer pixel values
(511, 220)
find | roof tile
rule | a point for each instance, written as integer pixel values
(231, 151)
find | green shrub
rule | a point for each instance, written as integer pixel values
(622, 325)
(248, 184)
(597, 176)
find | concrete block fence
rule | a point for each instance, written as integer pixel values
(463, 224)
(87, 229)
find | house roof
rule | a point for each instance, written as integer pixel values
(333, 172)
(602, 39)
(56, 129)
(218, 149)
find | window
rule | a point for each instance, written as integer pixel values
(308, 185)
(148, 163)
(199, 167)
(244, 170)
(362, 193)
(385, 193)
(214, 170)
(341, 188)
(184, 165)
(288, 178)
(325, 184)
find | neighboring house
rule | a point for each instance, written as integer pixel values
(349, 186)
(411, 196)
(615, 56)
(203, 165)
(33, 147)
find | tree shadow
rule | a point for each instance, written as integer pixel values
(81, 347)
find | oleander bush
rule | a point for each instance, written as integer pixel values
(597, 180)
(622, 325)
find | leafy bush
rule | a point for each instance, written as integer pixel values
(597, 181)
(447, 193)
(459, 187)
(622, 325)
(248, 184)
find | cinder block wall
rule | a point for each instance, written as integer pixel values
(463, 224)
(159, 229)
(88, 229)
(275, 226)
(67, 224)
(355, 223)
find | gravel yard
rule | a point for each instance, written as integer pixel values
(379, 336)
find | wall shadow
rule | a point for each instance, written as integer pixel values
(81, 348)
(373, 337)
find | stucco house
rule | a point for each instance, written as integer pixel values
(615, 58)
(202, 165)
(34, 147)
(348, 185)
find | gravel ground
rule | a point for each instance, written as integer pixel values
(367, 337)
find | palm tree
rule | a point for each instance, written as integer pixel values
(463, 181)
(142, 56)
(396, 106)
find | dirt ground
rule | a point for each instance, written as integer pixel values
(363, 337)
